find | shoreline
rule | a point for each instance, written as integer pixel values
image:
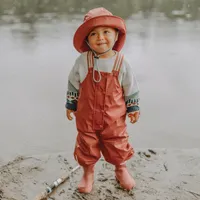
(159, 174)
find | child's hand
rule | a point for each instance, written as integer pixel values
(68, 114)
(134, 116)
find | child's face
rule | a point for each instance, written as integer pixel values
(102, 38)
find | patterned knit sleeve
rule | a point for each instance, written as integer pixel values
(73, 88)
(131, 89)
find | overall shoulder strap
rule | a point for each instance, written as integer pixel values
(90, 59)
(118, 62)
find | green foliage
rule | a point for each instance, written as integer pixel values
(121, 8)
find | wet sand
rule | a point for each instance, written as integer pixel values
(160, 174)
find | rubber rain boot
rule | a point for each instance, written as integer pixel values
(124, 178)
(86, 183)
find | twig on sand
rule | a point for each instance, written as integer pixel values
(197, 195)
(49, 189)
(152, 151)
(165, 166)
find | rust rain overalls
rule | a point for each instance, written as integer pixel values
(100, 118)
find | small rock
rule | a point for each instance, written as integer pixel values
(147, 155)
(115, 197)
(109, 191)
(102, 179)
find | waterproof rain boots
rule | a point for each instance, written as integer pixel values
(86, 183)
(124, 178)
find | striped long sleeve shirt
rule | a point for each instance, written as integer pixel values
(126, 79)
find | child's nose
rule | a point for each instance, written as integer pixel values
(100, 36)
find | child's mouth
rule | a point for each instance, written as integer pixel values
(101, 44)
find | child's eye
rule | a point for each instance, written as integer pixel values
(106, 31)
(92, 34)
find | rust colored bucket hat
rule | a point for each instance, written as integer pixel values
(99, 17)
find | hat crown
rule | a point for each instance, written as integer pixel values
(96, 12)
(95, 18)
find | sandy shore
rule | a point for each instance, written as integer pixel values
(160, 174)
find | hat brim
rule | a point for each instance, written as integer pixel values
(110, 21)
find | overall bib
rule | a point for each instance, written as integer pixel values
(100, 118)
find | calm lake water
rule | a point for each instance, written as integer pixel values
(35, 61)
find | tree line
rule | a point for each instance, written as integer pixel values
(188, 9)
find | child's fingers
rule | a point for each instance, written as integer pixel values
(137, 115)
(133, 120)
(69, 114)
(69, 117)
(134, 117)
